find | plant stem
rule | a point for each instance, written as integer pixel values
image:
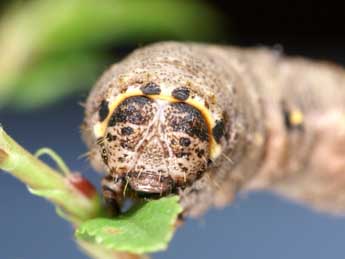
(45, 181)
(72, 204)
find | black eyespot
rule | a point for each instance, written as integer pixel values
(218, 131)
(181, 93)
(150, 89)
(103, 110)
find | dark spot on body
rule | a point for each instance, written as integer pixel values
(124, 145)
(127, 131)
(137, 99)
(104, 156)
(185, 142)
(200, 152)
(150, 89)
(136, 119)
(182, 154)
(103, 110)
(131, 110)
(186, 118)
(218, 130)
(287, 121)
(199, 174)
(181, 93)
(117, 117)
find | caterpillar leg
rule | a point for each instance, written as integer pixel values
(113, 190)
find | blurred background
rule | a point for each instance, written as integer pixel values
(51, 53)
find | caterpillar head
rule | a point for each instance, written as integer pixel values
(157, 142)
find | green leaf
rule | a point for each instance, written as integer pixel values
(146, 228)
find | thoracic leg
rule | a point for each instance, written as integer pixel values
(113, 192)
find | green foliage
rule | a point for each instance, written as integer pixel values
(56, 77)
(50, 49)
(145, 228)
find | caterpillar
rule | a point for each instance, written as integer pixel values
(206, 122)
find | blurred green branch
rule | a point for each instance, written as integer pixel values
(54, 47)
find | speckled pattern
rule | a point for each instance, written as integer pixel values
(274, 121)
(156, 146)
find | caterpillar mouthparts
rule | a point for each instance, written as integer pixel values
(205, 122)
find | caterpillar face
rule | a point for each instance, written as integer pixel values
(156, 141)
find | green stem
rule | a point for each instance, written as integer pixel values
(45, 181)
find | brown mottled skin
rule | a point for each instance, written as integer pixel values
(256, 91)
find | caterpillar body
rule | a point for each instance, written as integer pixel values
(206, 122)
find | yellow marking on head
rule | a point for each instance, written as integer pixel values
(100, 127)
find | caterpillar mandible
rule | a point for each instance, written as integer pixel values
(206, 122)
